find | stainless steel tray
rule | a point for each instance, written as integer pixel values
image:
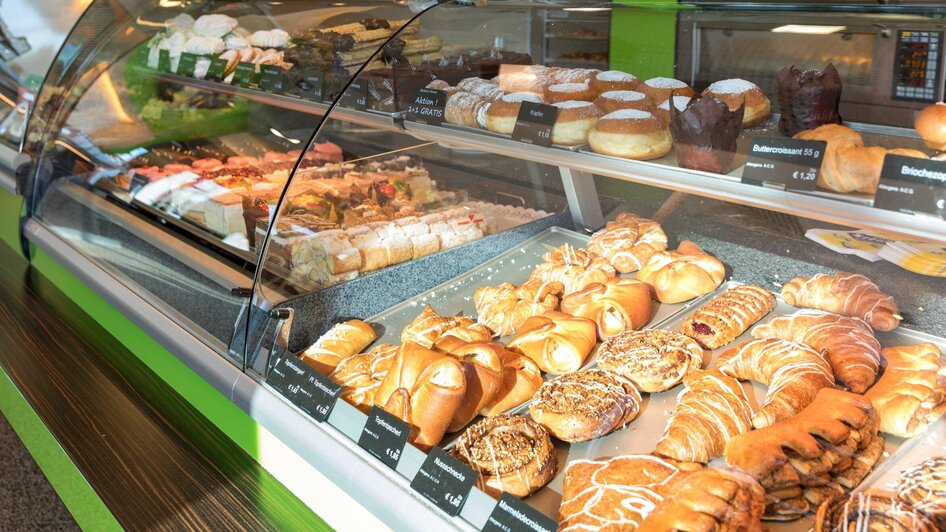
(640, 436)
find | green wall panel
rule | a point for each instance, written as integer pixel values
(10, 207)
(643, 40)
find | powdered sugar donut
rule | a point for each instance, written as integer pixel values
(659, 89)
(735, 92)
(632, 134)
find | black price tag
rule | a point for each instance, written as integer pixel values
(384, 436)
(444, 481)
(427, 106)
(534, 123)
(185, 66)
(244, 75)
(909, 184)
(513, 515)
(356, 96)
(791, 163)
(164, 61)
(286, 378)
(272, 79)
(138, 182)
(217, 69)
(314, 393)
(312, 84)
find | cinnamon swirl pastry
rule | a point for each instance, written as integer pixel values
(574, 268)
(653, 360)
(616, 305)
(924, 487)
(629, 242)
(870, 511)
(511, 453)
(585, 405)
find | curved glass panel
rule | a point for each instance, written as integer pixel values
(165, 131)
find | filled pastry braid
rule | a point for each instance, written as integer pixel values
(723, 319)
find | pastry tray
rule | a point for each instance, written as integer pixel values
(642, 434)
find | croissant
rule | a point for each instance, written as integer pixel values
(629, 242)
(616, 305)
(521, 378)
(429, 326)
(483, 371)
(711, 410)
(425, 389)
(848, 294)
(726, 317)
(793, 372)
(683, 274)
(911, 392)
(848, 343)
(341, 341)
(574, 268)
(360, 375)
(557, 342)
(506, 307)
(715, 499)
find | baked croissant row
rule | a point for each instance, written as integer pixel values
(341, 341)
(793, 372)
(723, 319)
(848, 294)
(848, 343)
(911, 393)
(710, 411)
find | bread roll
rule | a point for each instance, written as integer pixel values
(931, 125)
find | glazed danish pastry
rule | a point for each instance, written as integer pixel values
(557, 342)
(506, 307)
(628, 242)
(924, 487)
(870, 511)
(616, 305)
(727, 316)
(653, 360)
(574, 268)
(585, 405)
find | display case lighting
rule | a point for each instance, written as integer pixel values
(808, 29)
(586, 9)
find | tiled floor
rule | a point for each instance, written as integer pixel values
(27, 500)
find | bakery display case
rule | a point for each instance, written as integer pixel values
(514, 292)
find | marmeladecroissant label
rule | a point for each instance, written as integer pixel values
(513, 515)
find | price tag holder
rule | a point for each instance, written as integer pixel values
(244, 75)
(138, 182)
(513, 515)
(534, 123)
(356, 96)
(312, 84)
(185, 66)
(272, 79)
(308, 389)
(909, 184)
(427, 107)
(384, 436)
(164, 61)
(790, 163)
(444, 481)
(217, 69)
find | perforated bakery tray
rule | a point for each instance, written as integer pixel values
(641, 435)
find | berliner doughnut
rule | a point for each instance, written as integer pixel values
(616, 100)
(632, 134)
(931, 125)
(663, 110)
(573, 122)
(563, 92)
(481, 88)
(659, 89)
(523, 78)
(501, 114)
(463, 108)
(571, 75)
(735, 92)
(614, 80)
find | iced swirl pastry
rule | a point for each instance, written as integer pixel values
(653, 360)
(585, 405)
(511, 453)
(870, 511)
(923, 486)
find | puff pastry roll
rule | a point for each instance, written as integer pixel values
(557, 342)
(910, 393)
(341, 341)
(683, 274)
(727, 316)
(848, 294)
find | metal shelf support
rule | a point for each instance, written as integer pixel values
(582, 198)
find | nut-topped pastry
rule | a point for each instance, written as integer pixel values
(653, 360)
(585, 405)
(511, 453)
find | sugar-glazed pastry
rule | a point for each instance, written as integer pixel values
(425, 389)
(616, 100)
(341, 341)
(213, 25)
(462, 108)
(870, 511)
(502, 114)
(713, 499)
(615, 305)
(848, 294)
(557, 342)
(429, 326)
(612, 494)
(573, 121)
(739, 92)
(506, 307)
(521, 378)
(585, 405)
(574, 268)
(483, 370)
(360, 375)
(910, 393)
(653, 360)
(511, 453)
(727, 316)
(711, 410)
(683, 274)
(924, 487)
(848, 343)
(793, 372)
(563, 92)
(628, 242)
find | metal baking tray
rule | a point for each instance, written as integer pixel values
(488, 133)
(641, 435)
